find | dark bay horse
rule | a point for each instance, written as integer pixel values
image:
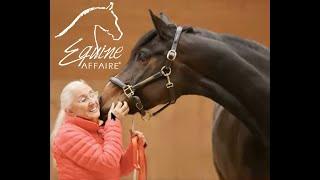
(172, 61)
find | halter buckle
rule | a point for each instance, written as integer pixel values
(171, 55)
(128, 91)
(165, 73)
(139, 106)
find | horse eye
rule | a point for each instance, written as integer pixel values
(142, 57)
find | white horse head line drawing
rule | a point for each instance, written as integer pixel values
(87, 11)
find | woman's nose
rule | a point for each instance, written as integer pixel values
(92, 101)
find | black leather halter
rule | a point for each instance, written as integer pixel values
(129, 90)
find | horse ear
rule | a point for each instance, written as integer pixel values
(165, 18)
(110, 6)
(162, 28)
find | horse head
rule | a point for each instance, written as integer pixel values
(102, 11)
(203, 63)
(147, 58)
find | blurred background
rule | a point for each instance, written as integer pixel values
(179, 138)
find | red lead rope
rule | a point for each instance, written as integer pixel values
(139, 157)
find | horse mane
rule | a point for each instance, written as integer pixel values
(227, 38)
(234, 40)
(150, 35)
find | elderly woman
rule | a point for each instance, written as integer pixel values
(82, 147)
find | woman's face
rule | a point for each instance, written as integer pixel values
(85, 103)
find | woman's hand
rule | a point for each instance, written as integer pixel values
(120, 110)
(141, 138)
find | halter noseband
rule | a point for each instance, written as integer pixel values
(129, 90)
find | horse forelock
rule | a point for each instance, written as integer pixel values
(145, 39)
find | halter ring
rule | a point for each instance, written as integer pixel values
(164, 73)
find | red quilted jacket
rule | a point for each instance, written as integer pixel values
(84, 150)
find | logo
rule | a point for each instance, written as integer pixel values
(95, 56)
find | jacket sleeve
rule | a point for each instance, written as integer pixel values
(84, 150)
(126, 162)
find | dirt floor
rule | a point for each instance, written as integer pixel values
(180, 137)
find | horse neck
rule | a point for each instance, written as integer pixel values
(221, 74)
